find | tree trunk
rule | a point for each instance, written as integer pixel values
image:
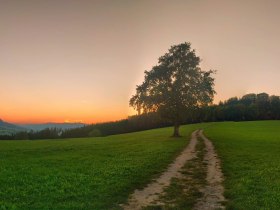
(176, 130)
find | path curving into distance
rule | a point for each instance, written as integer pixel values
(212, 192)
(151, 193)
(213, 197)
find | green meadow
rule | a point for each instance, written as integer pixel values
(250, 154)
(87, 173)
(100, 173)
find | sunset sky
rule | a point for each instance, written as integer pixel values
(77, 60)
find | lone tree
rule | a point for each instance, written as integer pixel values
(175, 87)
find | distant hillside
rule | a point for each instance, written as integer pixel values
(63, 126)
(8, 128)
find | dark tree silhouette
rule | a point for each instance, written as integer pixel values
(247, 108)
(175, 86)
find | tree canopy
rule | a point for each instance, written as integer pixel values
(175, 86)
(245, 108)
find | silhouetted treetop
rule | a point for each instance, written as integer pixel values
(175, 86)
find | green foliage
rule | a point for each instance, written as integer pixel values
(21, 135)
(95, 133)
(132, 124)
(251, 162)
(175, 86)
(249, 107)
(90, 173)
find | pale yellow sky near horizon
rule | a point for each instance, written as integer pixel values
(67, 60)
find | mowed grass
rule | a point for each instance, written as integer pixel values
(100, 173)
(250, 153)
(86, 173)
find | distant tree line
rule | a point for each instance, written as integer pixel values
(247, 108)
(131, 124)
(48, 133)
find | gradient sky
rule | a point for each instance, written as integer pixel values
(77, 60)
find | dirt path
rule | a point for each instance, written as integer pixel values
(213, 192)
(151, 193)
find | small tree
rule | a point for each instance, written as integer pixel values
(175, 86)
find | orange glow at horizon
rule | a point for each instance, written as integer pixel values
(19, 118)
(60, 114)
(81, 60)
(58, 110)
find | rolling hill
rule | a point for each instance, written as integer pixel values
(63, 126)
(8, 128)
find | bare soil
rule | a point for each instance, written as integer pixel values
(182, 172)
(150, 194)
(213, 192)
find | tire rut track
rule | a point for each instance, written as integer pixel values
(213, 197)
(212, 190)
(151, 193)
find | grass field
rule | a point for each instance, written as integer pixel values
(90, 173)
(250, 153)
(99, 173)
